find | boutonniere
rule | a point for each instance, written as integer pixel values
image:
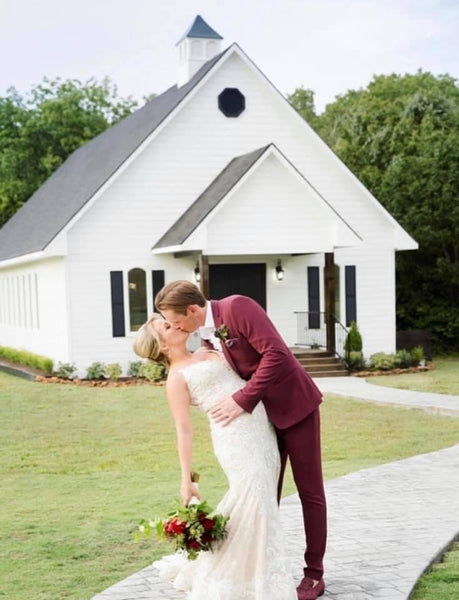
(222, 334)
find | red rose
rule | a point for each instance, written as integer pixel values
(174, 526)
(208, 524)
(195, 544)
(206, 537)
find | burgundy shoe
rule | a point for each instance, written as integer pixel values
(310, 589)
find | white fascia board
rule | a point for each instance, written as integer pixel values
(229, 52)
(167, 249)
(20, 260)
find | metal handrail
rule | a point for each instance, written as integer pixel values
(312, 332)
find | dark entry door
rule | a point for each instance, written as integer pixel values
(246, 279)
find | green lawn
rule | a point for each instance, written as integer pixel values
(442, 582)
(81, 466)
(442, 379)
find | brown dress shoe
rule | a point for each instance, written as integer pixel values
(310, 589)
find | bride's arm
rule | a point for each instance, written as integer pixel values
(178, 398)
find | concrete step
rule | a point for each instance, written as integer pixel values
(343, 373)
(319, 363)
(329, 366)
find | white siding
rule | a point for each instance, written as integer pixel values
(33, 309)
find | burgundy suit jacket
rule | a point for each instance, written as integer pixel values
(258, 354)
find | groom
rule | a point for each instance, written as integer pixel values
(240, 328)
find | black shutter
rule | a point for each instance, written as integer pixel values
(116, 282)
(313, 298)
(351, 300)
(157, 278)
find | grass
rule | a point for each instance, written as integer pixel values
(442, 379)
(81, 466)
(442, 581)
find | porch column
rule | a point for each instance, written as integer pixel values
(204, 270)
(329, 277)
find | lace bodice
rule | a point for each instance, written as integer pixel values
(209, 381)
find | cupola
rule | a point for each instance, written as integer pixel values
(198, 45)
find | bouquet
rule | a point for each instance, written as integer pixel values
(194, 528)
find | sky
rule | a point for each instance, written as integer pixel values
(329, 46)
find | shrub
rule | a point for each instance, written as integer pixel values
(417, 355)
(29, 359)
(356, 360)
(96, 371)
(113, 371)
(353, 341)
(65, 370)
(382, 361)
(403, 359)
(152, 371)
(135, 368)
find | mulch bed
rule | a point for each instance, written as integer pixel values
(121, 382)
(40, 377)
(427, 367)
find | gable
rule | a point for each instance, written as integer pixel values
(259, 204)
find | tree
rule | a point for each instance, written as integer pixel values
(400, 136)
(39, 131)
(303, 102)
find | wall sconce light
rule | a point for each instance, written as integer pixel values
(279, 271)
(197, 273)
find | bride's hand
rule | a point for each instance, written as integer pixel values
(187, 491)
(225, 411)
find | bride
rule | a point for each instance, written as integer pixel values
(251, 563)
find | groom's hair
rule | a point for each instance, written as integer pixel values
(178, 296)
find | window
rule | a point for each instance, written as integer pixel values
(137, 286)
(351, 294)
(139, 304)
(231, 102)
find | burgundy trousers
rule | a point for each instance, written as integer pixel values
(301, 444)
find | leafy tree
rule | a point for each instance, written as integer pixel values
(39, 131)
(303, 101)
(400, 136)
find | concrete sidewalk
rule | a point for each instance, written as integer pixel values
(358, 387)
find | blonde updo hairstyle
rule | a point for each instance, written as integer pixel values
(147, 343)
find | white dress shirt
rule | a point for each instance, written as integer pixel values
(207, 332)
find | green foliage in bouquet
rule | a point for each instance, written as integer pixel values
(193, 528)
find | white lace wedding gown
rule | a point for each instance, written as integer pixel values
(251, 563)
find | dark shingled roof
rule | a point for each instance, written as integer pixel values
(200, 29)
(85, 171)
(209, 199)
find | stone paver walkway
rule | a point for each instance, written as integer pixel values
(386, 524)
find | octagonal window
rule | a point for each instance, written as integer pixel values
(231, 102)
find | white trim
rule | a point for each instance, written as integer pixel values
(24, 258)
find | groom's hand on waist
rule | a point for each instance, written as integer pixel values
(225, 411)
